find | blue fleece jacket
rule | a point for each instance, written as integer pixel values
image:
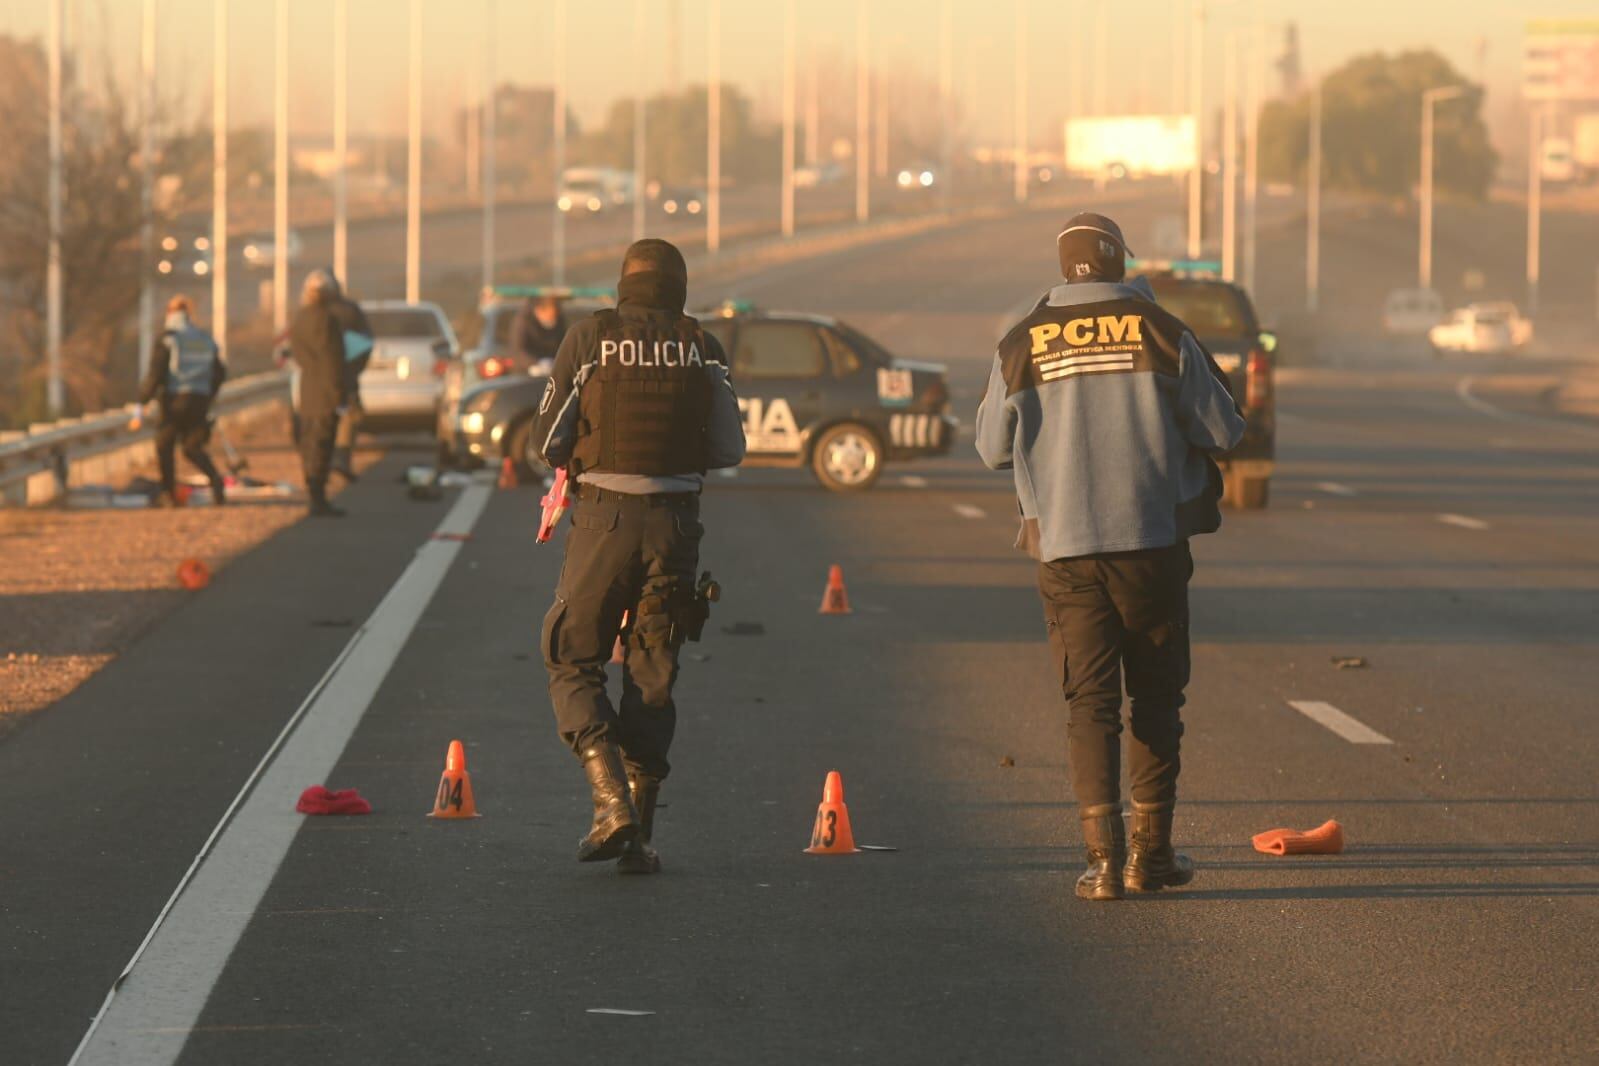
(1107, 423)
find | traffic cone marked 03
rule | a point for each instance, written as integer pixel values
(831, 835)
(454, 799)
(193, 574)
(835, 600)
(508, 478)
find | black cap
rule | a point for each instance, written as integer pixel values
(1092, 248)
(654, 254)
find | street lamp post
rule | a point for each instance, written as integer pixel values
(1020, 108)
(713, 128)
(558, 168)
(147, 186)
(413, 168)
(1196, 102)
(219, 179)
(639, 194)
(1313, 208)
(790, 31)
(341, 141)
(280, 172)
(1428, 100)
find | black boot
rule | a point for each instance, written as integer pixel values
(1105, 845)
(320, 507)
(615, 820)
(1151, 862)
(638, 857)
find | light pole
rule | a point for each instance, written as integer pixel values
(490, 132)
(413, 190)
(280, 172)
(946, 100)
(1229, 158)
(341, 141)
(713, 128)
(1196, 104)
(558, 167)
(1535, 126)
(863, 148)
(1020, 107)
(219, 179)
(1313, 208)
(790, 30)
(1428, 100)
(55, 396)
(639, 60)
(1256, 96)
(147, 187)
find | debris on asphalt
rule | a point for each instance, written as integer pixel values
(1350, 662)
(745, 629)
(1325, 839)
(318, 799)
(619, 1012)
(1007, 761)
(874, 847)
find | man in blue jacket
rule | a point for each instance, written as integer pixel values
(184, 377)
(1108, 410)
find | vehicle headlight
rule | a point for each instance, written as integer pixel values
(202, 268)
(595, 203)
(472, 422)
(670, 207)
(905, 178)
(693, 207)
(926, 178)
(564, 203)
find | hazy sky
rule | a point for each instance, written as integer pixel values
(1477, 35)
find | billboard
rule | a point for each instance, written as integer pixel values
(1560, 59)
(1130, 145)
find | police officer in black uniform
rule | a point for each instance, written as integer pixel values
(316, 344)
(184, 379)
(639, 406)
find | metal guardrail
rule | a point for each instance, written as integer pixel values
(52, 447)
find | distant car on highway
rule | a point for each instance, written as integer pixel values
(590, 190)
(917, 176)
(1223, 318)
(1411, 312)
(679, 201)
(1495, 328)
(184, 255)
(817, 392)
(261, 251)
(489, 396)
(809, 177)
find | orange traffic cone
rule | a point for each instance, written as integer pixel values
(455, 787)
(508, 478)
(831, 834)
(617, 652)
(835, 600)
(193, 574)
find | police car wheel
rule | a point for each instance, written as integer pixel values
(847, 458)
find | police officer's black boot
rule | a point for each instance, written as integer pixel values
(1151, 862)
(638, 857)
(320, 507)
(615, 820)
(1105, 845)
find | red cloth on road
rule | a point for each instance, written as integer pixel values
(1326, 839)
(318, 800)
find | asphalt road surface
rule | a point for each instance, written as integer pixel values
(1452, 547)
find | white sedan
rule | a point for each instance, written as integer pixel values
(1484, 328)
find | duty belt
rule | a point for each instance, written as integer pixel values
(592, 494)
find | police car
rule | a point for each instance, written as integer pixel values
(813, 392)
(816, 392)
(1222, 316)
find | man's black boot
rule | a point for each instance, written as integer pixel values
(1105, 845)
(1151, 862)
(615, 820)
(320, 507)
(638, 857)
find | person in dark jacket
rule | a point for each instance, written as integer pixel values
(1109, 410)
(538, 331)
(316, 344)
(357, 333)
(183, 379)
(638, 407)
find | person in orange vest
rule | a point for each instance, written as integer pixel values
(183, 379)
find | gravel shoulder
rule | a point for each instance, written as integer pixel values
(78, 587)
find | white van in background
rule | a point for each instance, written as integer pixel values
(590, 190)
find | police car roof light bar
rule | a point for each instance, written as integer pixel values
(558, 292)
(1175, 266)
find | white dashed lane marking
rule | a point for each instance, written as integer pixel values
(966, 510)
(1333, 488)
(1462, 521)
(913, 481)
(1351, 729)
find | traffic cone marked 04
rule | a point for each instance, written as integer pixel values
(831, 835)
(835, 600)
(454, 799)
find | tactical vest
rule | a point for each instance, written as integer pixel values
(645, 403)
(190, 352)
(1126, 336)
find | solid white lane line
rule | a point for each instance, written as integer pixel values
(157, 999)
(1351, 729)
(913, 481)
(1334, 488)
(966, 510)
(1462, 521)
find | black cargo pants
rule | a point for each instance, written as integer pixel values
(633, 554)
(317, 432)
(1110, 615)
(186, 420)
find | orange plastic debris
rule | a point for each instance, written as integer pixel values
(193, 574)
(1325, 839)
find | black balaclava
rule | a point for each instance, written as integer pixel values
(1092, 248)
(654, 276)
